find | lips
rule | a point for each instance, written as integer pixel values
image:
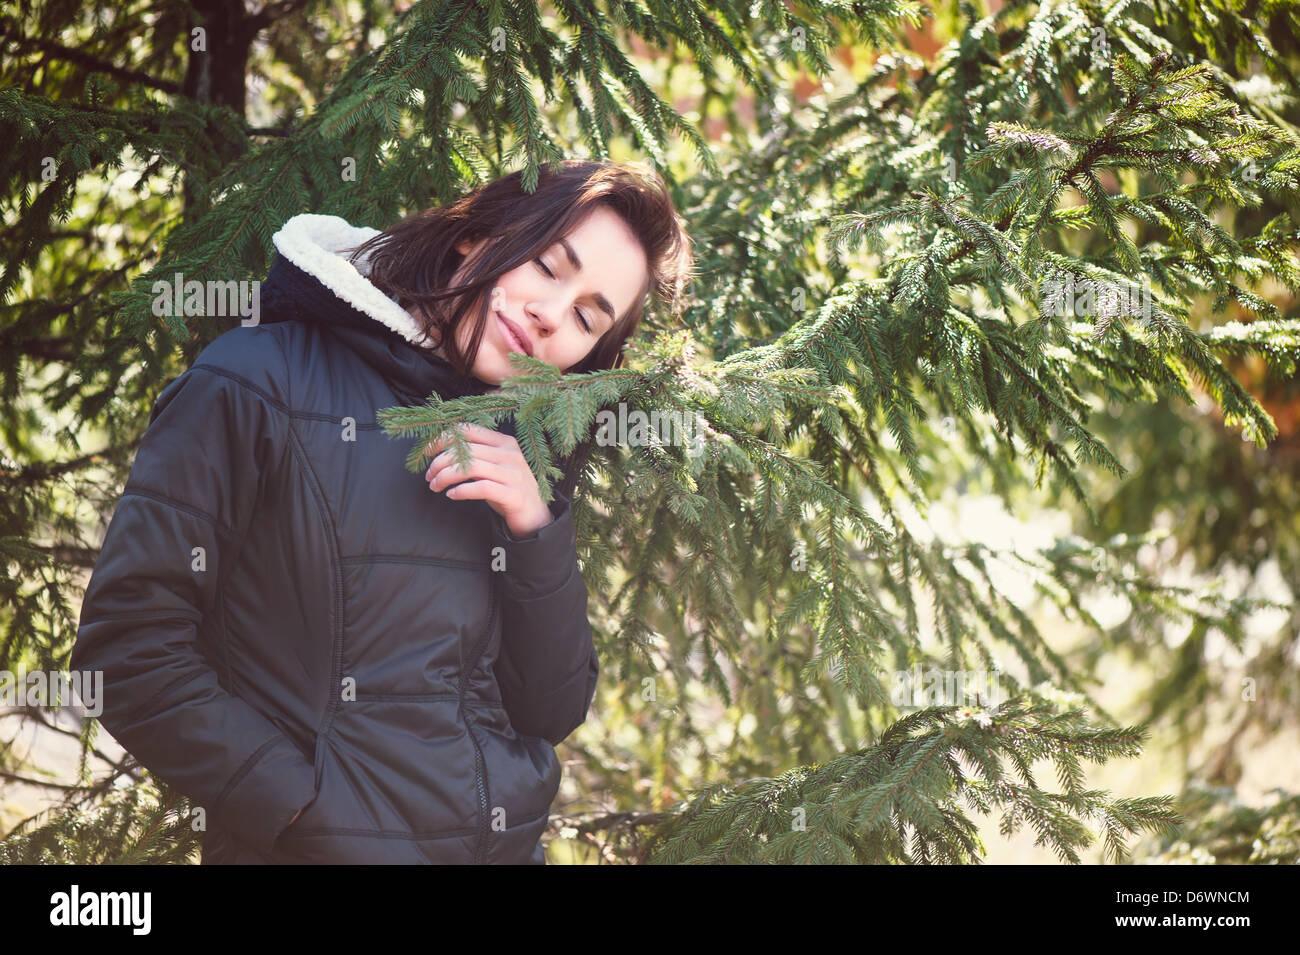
(515, 336)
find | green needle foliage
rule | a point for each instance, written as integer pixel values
(945, 266)
(899, 800)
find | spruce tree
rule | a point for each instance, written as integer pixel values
(952, 267)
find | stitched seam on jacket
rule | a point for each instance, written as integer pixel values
(245, 383)
(225, 528)
(510, 589)
(420, 836)
(480, 847)
(472, 702)
(334, 419)
(333, 700)
(179, 681)
(424, 834)
(142, 615)
(277, 403)
(450, 562)
(244, 770)
(227, 568)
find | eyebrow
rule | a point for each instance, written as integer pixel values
(601, 302)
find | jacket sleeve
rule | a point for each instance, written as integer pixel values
(213, 435)
(547, 667)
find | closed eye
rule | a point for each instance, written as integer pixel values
(586, 326)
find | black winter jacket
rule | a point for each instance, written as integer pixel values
(286, 617)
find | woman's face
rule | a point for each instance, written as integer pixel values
(557, 308)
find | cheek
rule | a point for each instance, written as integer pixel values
(577, 352)
(466, 332)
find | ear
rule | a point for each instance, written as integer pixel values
(463, 246)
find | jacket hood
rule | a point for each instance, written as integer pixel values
(311, 280)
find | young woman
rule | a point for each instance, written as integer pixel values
(337, 660)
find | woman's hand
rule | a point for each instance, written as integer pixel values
(498, 474)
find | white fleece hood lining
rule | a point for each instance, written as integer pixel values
(319, 245)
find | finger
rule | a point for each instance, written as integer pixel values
(441, 442)
(484, 490)
(436, 444)
(479, 452)
(479, 469)
(475, 435)
(485, 435)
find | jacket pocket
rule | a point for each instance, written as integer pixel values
(296, 737)
(338, 806)
(339, 826)
(523, 773)
(316, 767)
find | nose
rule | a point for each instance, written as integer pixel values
(545, 316)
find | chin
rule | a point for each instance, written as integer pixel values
(494, 372)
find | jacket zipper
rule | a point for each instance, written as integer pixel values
(480, 779)
(480, 764)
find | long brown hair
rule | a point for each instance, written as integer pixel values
(415, 260)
